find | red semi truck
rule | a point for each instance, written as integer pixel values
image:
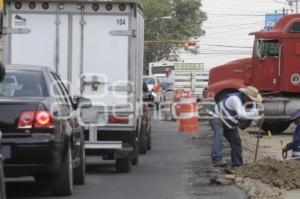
(274, 69)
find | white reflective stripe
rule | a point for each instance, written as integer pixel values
(188, 100)
(295, 153)
(189, 114)
(221, 118)
(227, 114)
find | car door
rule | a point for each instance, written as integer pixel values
(70, 116)
(267, 58)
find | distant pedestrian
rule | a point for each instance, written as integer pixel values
(169, 81)
(295, 144)
(225, 120)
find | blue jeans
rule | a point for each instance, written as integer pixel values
(217, 148)
(235, 142)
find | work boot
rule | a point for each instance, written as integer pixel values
(219, 163)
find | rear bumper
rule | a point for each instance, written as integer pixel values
(34, 154)
(118, 143)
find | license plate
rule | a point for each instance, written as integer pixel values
(6, 151)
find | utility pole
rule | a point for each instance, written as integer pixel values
(296, 2)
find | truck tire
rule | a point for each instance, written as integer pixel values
(135, 160)
(62, 183)
(79, 171)
(41, 178)
(149, 140)
(275, 127)
(143, 138)
(123, 165)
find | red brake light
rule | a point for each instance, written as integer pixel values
(109, 6)
(122, 6)
(43, 119)
(18, 5)
(35, 119)
(115, 119)
(26, 119)
(32, 5)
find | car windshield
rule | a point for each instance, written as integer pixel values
(149, 80)
(22, 83)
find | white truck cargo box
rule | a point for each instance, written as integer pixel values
(96, 47)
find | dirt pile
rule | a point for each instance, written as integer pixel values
(281, 174)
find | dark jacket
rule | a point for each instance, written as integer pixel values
(295, 144)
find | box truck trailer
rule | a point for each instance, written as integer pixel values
(97, 49)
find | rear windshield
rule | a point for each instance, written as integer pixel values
(149, 80)
(21, 83)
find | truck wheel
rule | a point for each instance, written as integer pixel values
(149, 140)
(79, 172)
(62, 183)
(275, 127)
(143, 138)
(123, 165)
(41, 178)
(135, 160)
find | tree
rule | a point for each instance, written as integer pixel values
(170, 20)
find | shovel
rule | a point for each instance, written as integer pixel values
(259, 123)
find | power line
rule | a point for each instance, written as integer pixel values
(226, 46)
(238, 15)
(228, 26)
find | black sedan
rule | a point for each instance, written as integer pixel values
(2, 181)
(41, 135)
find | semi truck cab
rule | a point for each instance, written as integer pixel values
(273, 69)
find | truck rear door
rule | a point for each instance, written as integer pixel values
(103, 49)
(87, 48)
(43, 39)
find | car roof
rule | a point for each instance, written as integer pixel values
(28, 67)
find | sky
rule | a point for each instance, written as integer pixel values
(229, 24)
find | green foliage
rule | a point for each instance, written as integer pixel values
(167, 20)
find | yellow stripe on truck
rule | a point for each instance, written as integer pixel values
(1, 5)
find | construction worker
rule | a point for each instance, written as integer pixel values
(225, 120)
(169, 81)
(295, 144)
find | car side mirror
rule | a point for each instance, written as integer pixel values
(81, 102)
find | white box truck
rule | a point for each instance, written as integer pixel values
(97, 47)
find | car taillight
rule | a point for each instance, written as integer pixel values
(43, 119)
(35, 119)
(26, 119)
(115, 119)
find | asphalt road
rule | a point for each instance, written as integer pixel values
(176, 168)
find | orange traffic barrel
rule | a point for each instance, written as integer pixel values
(188, 114)
(179, 93)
